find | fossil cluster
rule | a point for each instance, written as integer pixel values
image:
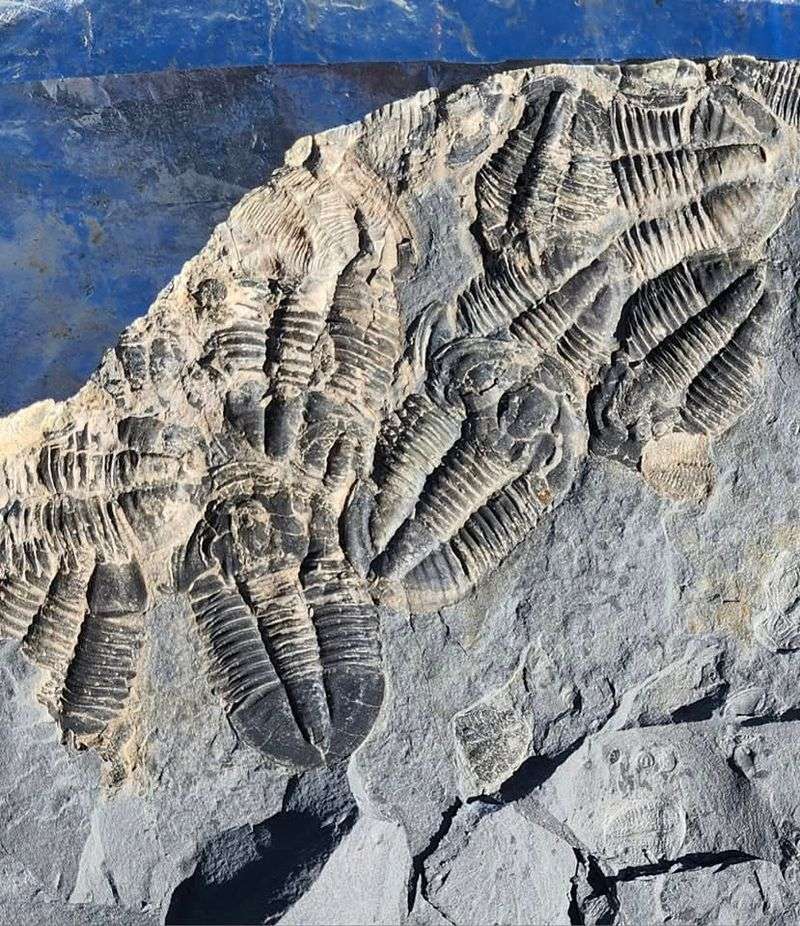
(324, 414)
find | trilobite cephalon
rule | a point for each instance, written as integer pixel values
(382, 370)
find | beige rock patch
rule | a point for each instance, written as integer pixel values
(678, 467)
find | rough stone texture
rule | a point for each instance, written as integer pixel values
(574, 287)
(528, 888)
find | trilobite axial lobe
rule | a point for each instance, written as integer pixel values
(384, 370)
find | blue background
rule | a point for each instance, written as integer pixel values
(61, 38)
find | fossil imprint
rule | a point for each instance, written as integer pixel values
(318, 417)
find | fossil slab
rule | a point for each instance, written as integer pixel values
(385, 369)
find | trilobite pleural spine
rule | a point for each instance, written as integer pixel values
(384, 370)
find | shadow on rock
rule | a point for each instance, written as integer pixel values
(253, 874)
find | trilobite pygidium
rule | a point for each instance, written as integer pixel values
(294, 434)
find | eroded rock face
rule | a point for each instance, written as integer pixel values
(423, 412)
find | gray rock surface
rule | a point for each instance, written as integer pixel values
(596, 723)
(533, 884)
(736, 892)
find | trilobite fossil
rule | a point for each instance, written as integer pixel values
(320, 415)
